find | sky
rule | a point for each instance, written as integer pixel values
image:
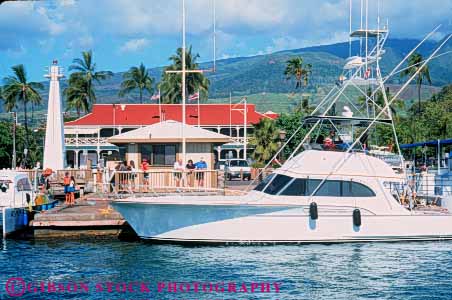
(124, 33)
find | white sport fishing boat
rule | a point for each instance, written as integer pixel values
(324, 193)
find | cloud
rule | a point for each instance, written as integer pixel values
(134, 45)
(244, 27)
(23, 21)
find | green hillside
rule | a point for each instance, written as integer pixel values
(261, 77)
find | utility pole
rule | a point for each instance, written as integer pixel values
(14, 163)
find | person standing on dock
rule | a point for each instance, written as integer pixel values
(145, 167)
(71, 190)
(66, 182)
(200, 165)
(133, 174)
(178, 172)
(190, 167)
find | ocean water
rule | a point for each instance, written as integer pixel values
(118, 270)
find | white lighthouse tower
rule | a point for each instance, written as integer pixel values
(54, 144)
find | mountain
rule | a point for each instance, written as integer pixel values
(263, 74)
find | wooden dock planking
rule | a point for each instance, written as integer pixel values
(88, 218)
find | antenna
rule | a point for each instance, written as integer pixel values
(350, 31)
(214, 36)
(361, 27)
(367, 30)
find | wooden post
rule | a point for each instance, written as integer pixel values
(116, 182)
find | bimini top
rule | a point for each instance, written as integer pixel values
(322, 163)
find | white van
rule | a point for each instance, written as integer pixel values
(237, 168)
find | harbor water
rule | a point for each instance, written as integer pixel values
(137, 270)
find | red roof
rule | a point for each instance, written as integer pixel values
(147, 114)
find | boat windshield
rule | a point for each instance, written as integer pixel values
(273, 185)
(264, 182)
(288, 186)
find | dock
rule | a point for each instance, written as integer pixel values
(90, 217)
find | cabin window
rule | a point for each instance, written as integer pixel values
(356, 189)
(23, 184)
(264, 182)
(4, 185)
(146, 152)
(296, 188)
(330, 188)
(164, 155)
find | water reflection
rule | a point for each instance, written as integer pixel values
(347, 271)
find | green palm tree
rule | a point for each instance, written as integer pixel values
(137, 78)
(414, 64)
(171, 84)
(77, 96)
(85, 69)
(295, 69)
(17, 89)
(265, 140)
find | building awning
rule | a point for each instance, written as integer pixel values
(81, 130)
(433, 143)
(169, 132)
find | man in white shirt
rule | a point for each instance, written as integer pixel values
(178, 171)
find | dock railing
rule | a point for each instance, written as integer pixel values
(111, 183)
(160, 181)
(80, 176)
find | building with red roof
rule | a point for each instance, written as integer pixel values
(86, 137)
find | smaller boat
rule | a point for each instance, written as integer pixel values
(16, 196)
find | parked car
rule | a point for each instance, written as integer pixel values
(237, 168)
(219, 165)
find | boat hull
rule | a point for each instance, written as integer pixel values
(12, 220)
(250, 224)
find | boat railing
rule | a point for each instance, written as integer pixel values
(431, 185)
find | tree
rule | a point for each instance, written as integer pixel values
(77, 95)
(296, 70)
(86, 73)
(171, 84)
(17, 89)
(290, 123)
(137, 78)
(265, 140)
(304, 107)
(301, 73)
(414, 64)
(6, 145)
